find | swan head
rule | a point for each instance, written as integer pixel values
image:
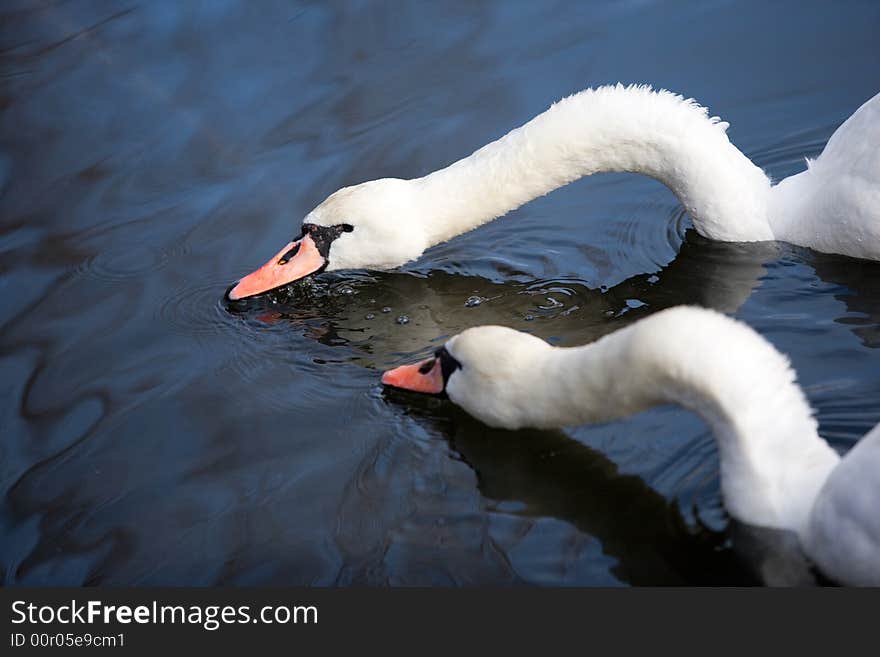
(490, 371)
(368, 226)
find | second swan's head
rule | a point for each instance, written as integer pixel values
(373, 225)
(492, 372)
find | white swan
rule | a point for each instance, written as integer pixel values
(776, 471)
(833, 206)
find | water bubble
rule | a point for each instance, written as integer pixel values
(474, 301)
(346, 289)
(370, 316)
(386, 309)
(653, 278)
(551, 303)
(529, 317)
(403, 319)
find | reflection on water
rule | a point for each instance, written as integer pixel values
(536, 473)
(154, 434)
(363, 310)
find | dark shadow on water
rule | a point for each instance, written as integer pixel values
(388, 316)
(553, 475)
(859, 281)
(550, 474)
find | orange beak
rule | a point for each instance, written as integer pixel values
(283, 268)
(426, 377)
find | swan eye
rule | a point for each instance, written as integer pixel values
(427, 366)
(347, 228)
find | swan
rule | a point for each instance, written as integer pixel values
(833, 206)
(776, 471)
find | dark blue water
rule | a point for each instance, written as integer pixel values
(151, 153)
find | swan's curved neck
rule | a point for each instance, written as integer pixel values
(773, 462)
(615, 128)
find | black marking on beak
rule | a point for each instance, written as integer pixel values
(283, 260)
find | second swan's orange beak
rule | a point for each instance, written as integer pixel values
(296, 260)
(426, 376)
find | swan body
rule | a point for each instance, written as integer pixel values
(833, 206)
(776, 471)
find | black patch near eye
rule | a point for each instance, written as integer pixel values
(448, 364)
(323, 236)
(427, 366)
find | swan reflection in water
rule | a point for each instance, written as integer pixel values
(364, 311)
(549, 472)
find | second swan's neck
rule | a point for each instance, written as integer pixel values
(615, 128)
(773, 462)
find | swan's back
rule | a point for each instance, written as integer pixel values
(854, 148)
(834, 206)
(843, 537)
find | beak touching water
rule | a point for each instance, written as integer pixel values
(295, 261)
(426, 377)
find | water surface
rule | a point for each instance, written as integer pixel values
(151, 153)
